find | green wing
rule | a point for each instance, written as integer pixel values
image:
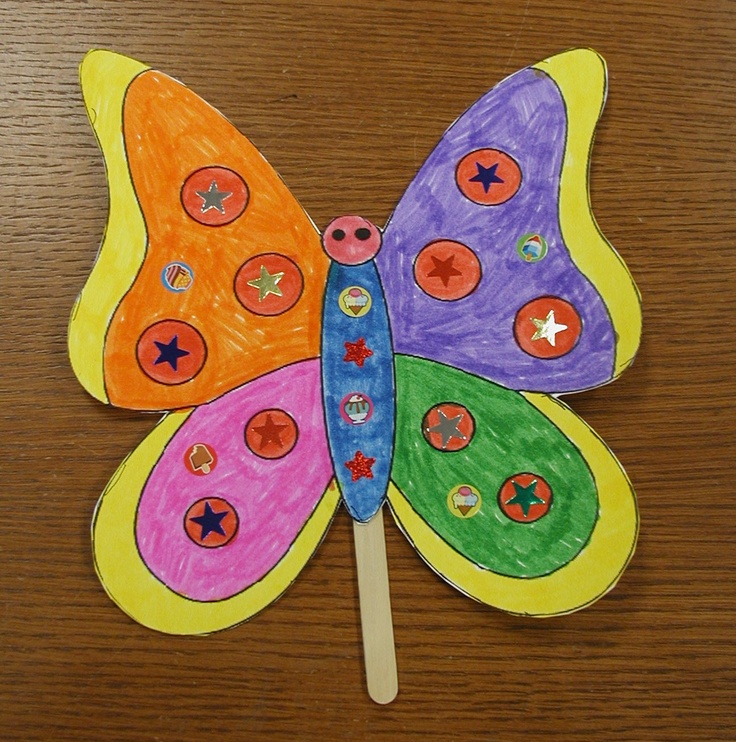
(511, 497)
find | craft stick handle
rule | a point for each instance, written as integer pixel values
(375, 610)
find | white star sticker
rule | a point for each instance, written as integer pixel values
(547, 328)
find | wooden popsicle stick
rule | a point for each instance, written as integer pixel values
(375, 610)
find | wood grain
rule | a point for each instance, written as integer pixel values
(376, 620)
(345, 99)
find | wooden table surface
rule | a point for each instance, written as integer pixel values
(345, 99)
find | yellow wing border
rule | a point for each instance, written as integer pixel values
(130, 584)
(105, 77)
(581, 77)
(583, 580)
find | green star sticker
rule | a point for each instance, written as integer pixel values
(267, 283)
(525, 497)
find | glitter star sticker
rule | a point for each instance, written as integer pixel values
(547, 328)
(267, 283)
(357, 352)
(525, 497)
(447, 428)
(486, 176)
(444, 269)
(212, 198)
(361, 466)
(170, 352)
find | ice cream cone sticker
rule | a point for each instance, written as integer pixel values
(355, 301)
(464, 501)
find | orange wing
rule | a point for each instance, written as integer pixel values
(210, 272)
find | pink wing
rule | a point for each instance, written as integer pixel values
(231, 505)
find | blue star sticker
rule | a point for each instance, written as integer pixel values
(170, 352)
(486, 176)
(210, 521)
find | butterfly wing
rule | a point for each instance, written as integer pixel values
(496, 231)
(213, 516)
(509, 496)
(209, 273)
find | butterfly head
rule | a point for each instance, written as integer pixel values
(351, 240)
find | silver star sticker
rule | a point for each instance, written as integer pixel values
(447, 427)
(547, 328)
(212, 199)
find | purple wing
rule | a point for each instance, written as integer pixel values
(511, 142)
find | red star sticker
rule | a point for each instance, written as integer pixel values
(270, 432)
(357, 352)
(360, 466)
(444, 269)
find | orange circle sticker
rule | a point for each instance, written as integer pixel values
(488, 176)
(547, 327)
(525, 497)
(447, 270)
(448, 426)
(269, 284)
(271, 434)
(214, 196)
(211, 522)
(171, 352)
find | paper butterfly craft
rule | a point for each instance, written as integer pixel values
(420, 363)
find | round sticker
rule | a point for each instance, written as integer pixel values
(525, 497)
(447, 270)
(171, 352)
(356, 408)
(464, 501)
(200, 459)
(271, 434)
(531, 247)
(488, 177)
(448, 427)
(214, 196)
(177, 277)
(211, 522)
(269, 284)
(355, 301)
(547, 327)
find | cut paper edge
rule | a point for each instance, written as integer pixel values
(105, 77)
(130, 584)
(147, 227)
(583, 580)
(581, 77)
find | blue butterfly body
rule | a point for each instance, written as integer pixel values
(359, 399)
